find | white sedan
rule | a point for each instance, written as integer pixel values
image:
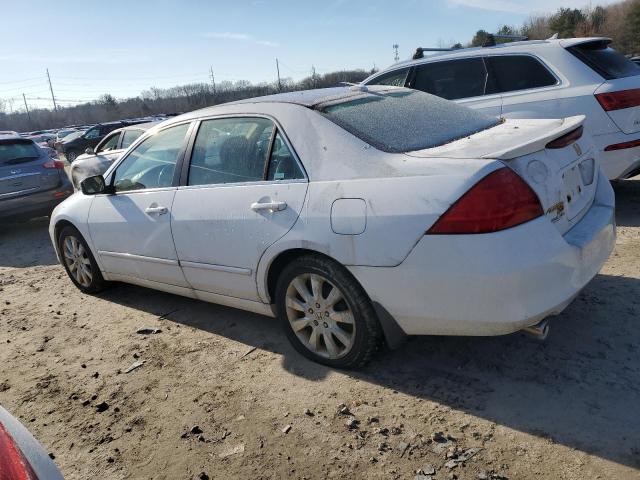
(354, 215)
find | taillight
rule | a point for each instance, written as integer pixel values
(619, 100)
(13, 464)
(567, 139)
(500, 200)
(54, 164)
(622, 146)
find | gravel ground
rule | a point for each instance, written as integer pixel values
(221, 394)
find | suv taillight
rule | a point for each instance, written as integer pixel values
(13, 464)
(499, 201)
(619, 100)
(567, 139)
(53, 164)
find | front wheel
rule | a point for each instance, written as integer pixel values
(79, 262)
(71, 156)
(326, 314)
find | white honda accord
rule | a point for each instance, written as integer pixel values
(354, 215)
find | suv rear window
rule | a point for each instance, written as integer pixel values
(605, 60)
(17, 151)
(402, 120)
(518, 72)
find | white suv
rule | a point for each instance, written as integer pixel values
(540, 79)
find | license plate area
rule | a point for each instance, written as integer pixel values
(578, 191)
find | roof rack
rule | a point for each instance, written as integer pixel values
(491, 39)
(420, 51)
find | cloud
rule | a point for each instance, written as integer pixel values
(521, 6)
(243, 37)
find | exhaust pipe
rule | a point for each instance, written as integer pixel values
(539, 331)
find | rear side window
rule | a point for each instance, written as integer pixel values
(453, 79)
(397, 78)
(129, 137)
(607, 62)
(17, 151)
(518, 72)
(402, 120)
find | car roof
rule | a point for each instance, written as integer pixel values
(508, 47)
(12, 136)
(138, 126)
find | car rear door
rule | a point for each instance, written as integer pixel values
(242, 190)
(131, 229)
(26, 169)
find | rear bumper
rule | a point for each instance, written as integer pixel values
(494, 284)
(618, 164)
(35, 205)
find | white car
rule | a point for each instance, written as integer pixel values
(352, 214)
(540, 79)
(97, 161)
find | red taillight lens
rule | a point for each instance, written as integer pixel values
(500, 200)
(622, 146)
(13, 465)
(54, 164)
(619, 100)
(567, 139)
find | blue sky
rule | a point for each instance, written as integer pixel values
(124, 47)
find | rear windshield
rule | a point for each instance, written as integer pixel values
(17, 151)
(605, 60)
(406, 120)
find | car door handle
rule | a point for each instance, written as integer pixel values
(273, 206)
(156, 210)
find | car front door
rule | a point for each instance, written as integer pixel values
(243, 190)
(131, 229)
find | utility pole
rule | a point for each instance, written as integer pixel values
(396, 57)
(26, 108)
(279, 83)
(313, 76)
(55, 107)
(213, 80)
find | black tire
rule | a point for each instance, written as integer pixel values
(367, 334)
(71, 156)
(97, 282)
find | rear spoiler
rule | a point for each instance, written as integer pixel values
(538, 143)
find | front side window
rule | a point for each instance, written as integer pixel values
(397, 78)
(152, 163)
(452, 79)
(92, 133)
(230, 150)
(519, 72)
(130, 136)
(109, 143)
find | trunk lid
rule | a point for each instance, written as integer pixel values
(564, 178)
(22, 171)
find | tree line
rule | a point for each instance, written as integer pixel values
(177, 99)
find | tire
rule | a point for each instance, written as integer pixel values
(71, 156)
(78, 261)
(347, 331)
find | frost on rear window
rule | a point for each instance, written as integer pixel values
(405, 121)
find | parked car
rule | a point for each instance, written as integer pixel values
(31, 182)
(635, 60)
(95, 162)
(540, 79)
(483, 227)
(21, 456)
(71, 147)
(62, 133)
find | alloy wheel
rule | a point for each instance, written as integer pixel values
(77, 260)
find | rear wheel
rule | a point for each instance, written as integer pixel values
(79, 262)
(326, 314)
(71, 155)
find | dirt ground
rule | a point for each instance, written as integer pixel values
(221, 394)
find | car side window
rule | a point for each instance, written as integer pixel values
(282, 163)
(452, 79)
(397, 78)
(92, 133)
(519, 72)
(109, 143)
(230, 150)
(130, 136)
(152, 163)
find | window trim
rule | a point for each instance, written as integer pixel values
(109, 175)
(184, 177)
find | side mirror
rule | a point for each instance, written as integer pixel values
(93, 185)
(89, 151)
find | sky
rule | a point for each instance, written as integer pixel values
(124, 47)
